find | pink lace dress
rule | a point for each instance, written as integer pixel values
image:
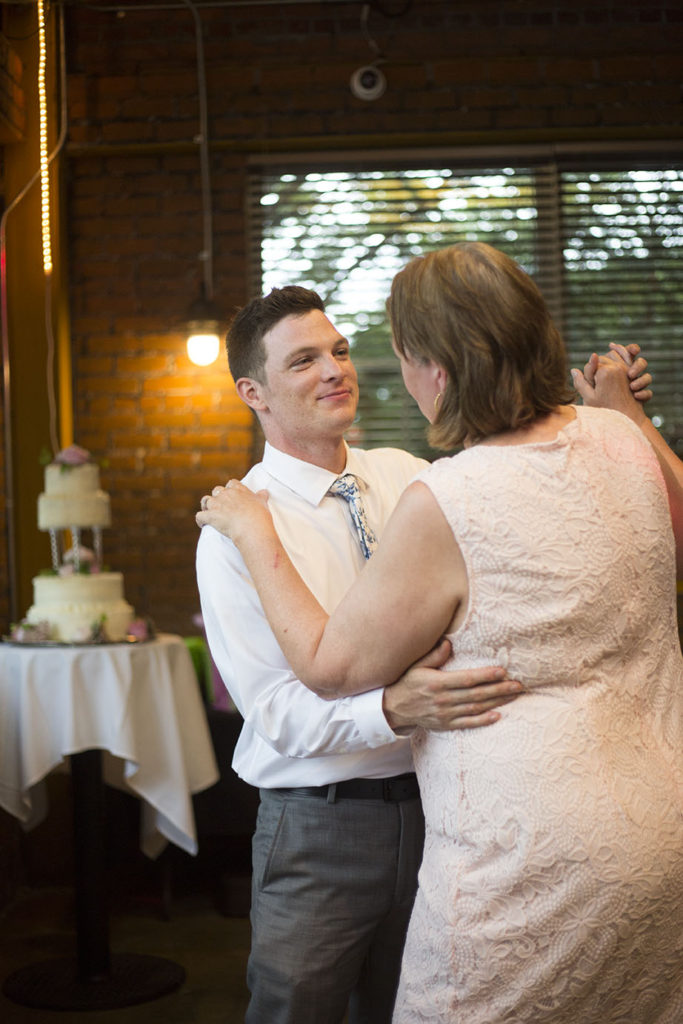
(551, 888)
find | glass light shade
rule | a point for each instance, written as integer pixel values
(203, 347)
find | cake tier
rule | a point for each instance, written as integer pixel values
(62, 511)
(72, 497)
(76, 605)
(72, 479)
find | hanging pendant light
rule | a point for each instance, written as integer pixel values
(203, 319)
(203, 331)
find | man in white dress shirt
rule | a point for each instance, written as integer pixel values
(339, 835)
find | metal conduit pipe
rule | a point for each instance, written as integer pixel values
(4, 332)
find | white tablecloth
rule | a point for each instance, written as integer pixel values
(139, 703)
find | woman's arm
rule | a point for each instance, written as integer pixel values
(605, 383)
(402, 603)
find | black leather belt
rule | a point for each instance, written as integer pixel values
(399, 787)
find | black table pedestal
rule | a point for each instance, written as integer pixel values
(94, 979)
(57, 984)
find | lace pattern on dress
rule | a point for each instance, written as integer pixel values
(551, 888)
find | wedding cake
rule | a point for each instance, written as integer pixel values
(76, 601)
(72, 496)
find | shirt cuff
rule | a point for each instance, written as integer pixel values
(368, 714)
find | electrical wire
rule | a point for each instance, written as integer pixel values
(364, 18)
(4, 330)
(206, 256)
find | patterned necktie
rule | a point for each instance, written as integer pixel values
(346, 487)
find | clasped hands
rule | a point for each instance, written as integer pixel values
(614, 380)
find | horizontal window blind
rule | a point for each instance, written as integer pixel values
(603, 243)
(622, 250)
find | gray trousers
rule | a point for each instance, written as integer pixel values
(333, 888)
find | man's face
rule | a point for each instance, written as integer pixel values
(310, 388)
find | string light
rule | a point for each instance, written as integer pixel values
(44, 163)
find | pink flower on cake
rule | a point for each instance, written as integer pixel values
(84, 555)
(73, 456)
(141, 629)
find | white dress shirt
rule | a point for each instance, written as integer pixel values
(290, 736)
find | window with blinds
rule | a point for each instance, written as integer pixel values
(602, 239)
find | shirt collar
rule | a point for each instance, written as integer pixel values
(304, 478)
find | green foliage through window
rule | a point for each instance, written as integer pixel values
(602, 239)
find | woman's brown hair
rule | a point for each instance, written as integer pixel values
(472, 310)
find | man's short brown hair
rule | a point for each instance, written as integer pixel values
(244, 341)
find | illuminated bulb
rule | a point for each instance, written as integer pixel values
(203, 327)
(203, 348)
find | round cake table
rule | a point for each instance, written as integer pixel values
(128, 714)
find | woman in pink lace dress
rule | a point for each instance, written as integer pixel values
(551, 888)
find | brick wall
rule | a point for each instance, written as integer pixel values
(490, 71)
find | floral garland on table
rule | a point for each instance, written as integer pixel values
(139, 630)
(26, 632)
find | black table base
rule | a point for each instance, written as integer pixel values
(93, 979)
(57, 985)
